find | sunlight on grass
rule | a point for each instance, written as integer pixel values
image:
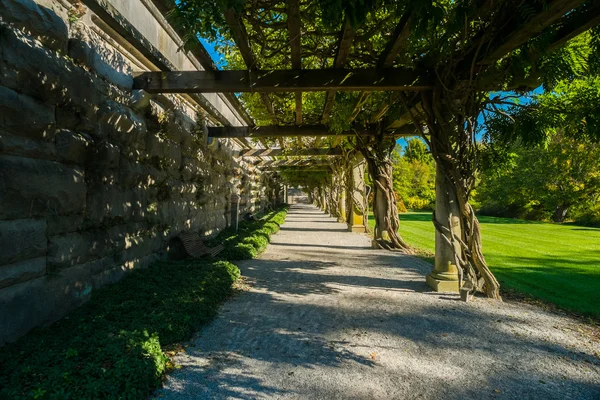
(555, 263)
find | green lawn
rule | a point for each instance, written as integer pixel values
(555, 263)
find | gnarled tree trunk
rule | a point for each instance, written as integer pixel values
(451, 124)
(377, 152)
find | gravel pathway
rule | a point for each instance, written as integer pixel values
(327, 317)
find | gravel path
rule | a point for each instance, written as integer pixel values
(326, 317)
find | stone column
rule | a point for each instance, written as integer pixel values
(235, 210)
(342, 210)
(444, 277)
(357, 199)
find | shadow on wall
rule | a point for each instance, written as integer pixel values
(94, 179)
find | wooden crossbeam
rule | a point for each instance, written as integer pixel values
(297, 130)
(240, 36)
(293, 20)
(396, 43)
(551, 14)
(296, 163)
(308, 80)
(576, 23)
(386, 60)
(335, 151)
(346, 39)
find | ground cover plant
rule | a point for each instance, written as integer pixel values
(556, 263)
(113, 346)
(252, 236)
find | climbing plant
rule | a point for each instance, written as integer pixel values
(473, 56)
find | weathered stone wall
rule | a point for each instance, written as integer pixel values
(94, 179)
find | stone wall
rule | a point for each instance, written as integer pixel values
(95, 179)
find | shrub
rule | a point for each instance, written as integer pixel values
(252, 237)
(112, 347)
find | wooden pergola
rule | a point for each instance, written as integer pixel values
(382, 75)
(434, 92)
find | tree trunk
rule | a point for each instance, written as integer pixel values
(560, 213)
(385, 210)
(454, 150)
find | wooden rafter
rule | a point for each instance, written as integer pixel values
(294, 163)
(293, 20)
(297, 130)
(346, 38)
(289, 80)
(576, 23)
(335, 151)
(396, 42)
(240, 36)
(386, 60)
(543, 19)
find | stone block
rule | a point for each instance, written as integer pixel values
(40, 22)
(23, 146)
(35, 71)
(64, 224)
(72, 147)
(440, 285)
(22, 271)
(22, 239)
(136, 247)
(121, 124)
(86, 47)
(105, 155)
(75, 248)
(140, 100)
(32, 188)
(106, 201)
(14, 106)
(43, 300)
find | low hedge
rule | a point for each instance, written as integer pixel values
(252, 237)
(112, 347)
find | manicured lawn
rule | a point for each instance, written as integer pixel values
(555, 263)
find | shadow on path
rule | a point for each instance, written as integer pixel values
(325, 316)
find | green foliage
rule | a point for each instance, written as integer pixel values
(414, 176)
(551, 262)
(546, 182)
(252, 237)
(113, 346)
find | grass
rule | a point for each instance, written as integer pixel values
(555, 263)
(117, 345)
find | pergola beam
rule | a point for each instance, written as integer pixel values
(293, 20)
(295, 163)
(396, 43)
(303, 80)
(346, 39)
(543, 19)
(240, 37)
(297, 130)
(386, 60)
(335, 151)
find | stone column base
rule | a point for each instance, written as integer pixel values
(357, 228)
(443, 282)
